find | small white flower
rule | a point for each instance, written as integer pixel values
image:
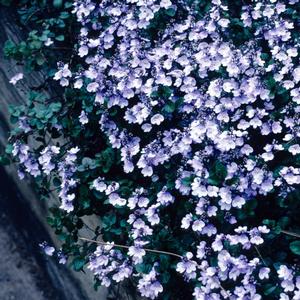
(49, 250)
(284, 272)
(257, 240)
(137, 253)
(83, 51)
(264, 273)
(16, 78)
(92, 87)
(99, 185)
(187, 266)
(198, 225)
(165, 3)
(186, 221)
(48, 42)
(115, 199)
(157, 119)
(78, 84)
(147, 171)
(294, 149)
(83, 119)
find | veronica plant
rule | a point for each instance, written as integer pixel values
(176, 122)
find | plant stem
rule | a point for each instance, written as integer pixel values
(148, 250)
(259, 254)
(291, 233)
(127, 247)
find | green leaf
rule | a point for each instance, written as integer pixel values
(57, 3)
(165, 277)
(217, 173)
(9, 148)
(50, 221)
(269, 289)
(86, 203)
(4, 160)
(35, 44)
(123, 223)
(116, 231)
(295, 247)
(60, 38)
(64, 15)
(78, 263)
(143, 268)
(171, 12)
(108, 221)
(55, 107)
(264, 56)
(220, 169)
(212, 181)
(169, 107)
(186, 181)
(40, 59)
(68, 4)
(56, 182)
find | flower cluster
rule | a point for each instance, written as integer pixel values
(149, 286)
(201, 106)
(66, 169)
(288, 283)
(27, 161)
(108, 263)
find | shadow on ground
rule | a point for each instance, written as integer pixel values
(22, 266)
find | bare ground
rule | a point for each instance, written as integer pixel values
(25, 272)
(21, 277)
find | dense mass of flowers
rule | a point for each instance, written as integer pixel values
(201, 105)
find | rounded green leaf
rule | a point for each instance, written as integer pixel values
(57, 3)
(295, 247)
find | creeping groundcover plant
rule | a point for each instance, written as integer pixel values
(175, 124)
